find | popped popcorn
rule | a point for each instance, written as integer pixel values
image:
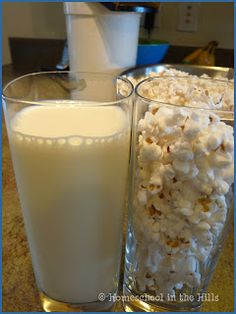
(184, 172)
(194, 91)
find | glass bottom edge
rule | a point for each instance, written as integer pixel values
(51, 305)
(135, 305)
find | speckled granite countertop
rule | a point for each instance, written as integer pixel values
(19, 292)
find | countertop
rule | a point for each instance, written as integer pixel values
(19, 292)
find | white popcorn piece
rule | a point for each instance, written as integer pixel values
(155, 184)
(181, 166)
(151, 119)
(204, 225)
(229, 145)
(221, 187)
(221, 159)
(186, 211)
(191, 129)
(142, 197)
(182, 151)
(227, 173)
(194, 219)
(151, 152)
(168, 171)
(214, 141)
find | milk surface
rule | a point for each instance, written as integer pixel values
(71, 166)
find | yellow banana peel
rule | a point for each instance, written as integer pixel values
(203, 56)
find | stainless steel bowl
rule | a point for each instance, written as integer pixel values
(214, 72)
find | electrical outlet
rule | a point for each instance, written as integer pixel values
(188, 16)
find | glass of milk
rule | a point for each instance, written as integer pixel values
(181, 195)
(69, 136)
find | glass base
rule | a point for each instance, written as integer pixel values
(135, 305)
(51, 305)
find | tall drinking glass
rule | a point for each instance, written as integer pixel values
(180, 205)
(69, 136)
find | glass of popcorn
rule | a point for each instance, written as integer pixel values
(181, 196)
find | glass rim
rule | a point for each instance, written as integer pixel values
(41, 73)
(145, 99)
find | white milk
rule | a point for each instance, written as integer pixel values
(71, 168)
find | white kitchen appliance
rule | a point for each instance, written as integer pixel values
(101, 40)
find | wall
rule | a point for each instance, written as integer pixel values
(215, 22)
(31, 20)
(46, 20)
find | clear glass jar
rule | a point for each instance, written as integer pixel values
(181, 196)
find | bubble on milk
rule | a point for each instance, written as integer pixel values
(75, 141)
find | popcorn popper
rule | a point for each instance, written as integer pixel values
(103, 36)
